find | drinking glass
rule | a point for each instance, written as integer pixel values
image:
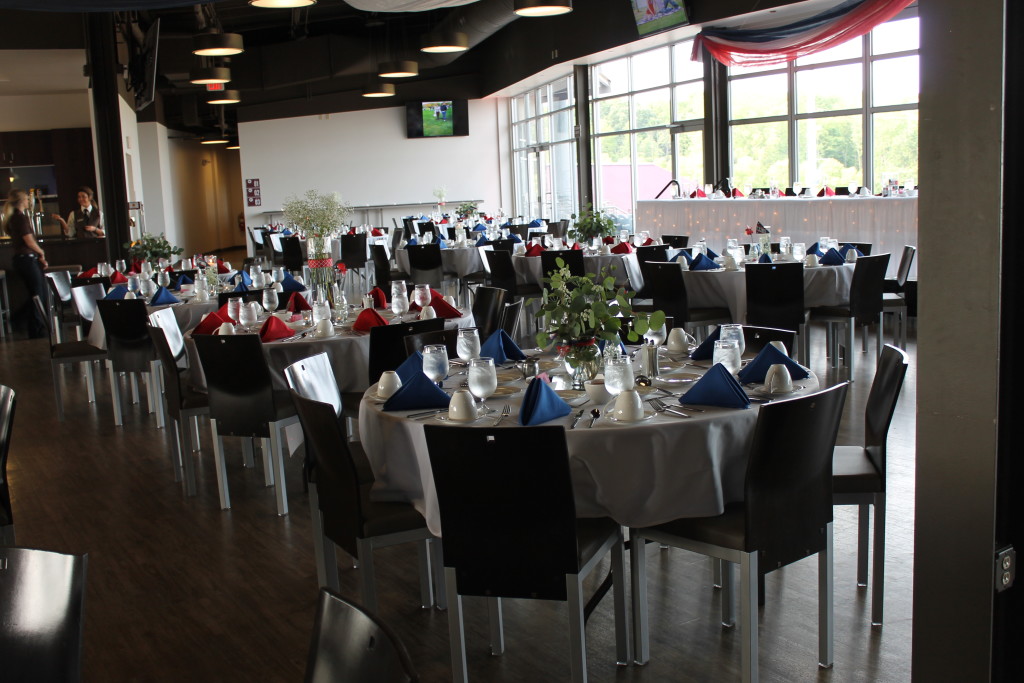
(234, 304)
(163, 279)
(400, 305)
(321, 310)
(279, 274)
(120, 265)
(421, 295)
(618, 375)
(246, 317)
(623, 235)
(133, 283)
(733, 331)
(186, 264)
(785, 246)
(727, 352)
(146, 270)
(467, 344)
(644, 236)
(435, 362)
(483, 379)
(398, 287)
(799, 251)
(270, 301)
(147, 287)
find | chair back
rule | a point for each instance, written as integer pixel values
(45, 311)
(85, 299)
(503, 273)
(61, 282)
(788, 486)
(425, 264)
(387, 344)
(510, 317)
(409, 226)
(664, 284)
(756, 338)
(175, 341)
(257, 238)
(867, 287)
(488, 305)
(177, 275)
(239, 384)
(169, 370)
(416, 342)
(313, 378)
(507, 509)
(775, 295)
(903, 270)
(291, 251)
(508, 245)
(275, 242)
(353, 250)
(573, 258)
(8, 402)
(522, 229)
(42, 609)
(881, 405)
(559, 228)
(676, 241)
(350, 644)
(396, 239)
(429, 226)
(654, 252)
(83, 281)
(126, 324)
(381, 266)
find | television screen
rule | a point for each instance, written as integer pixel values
(437, 118)
(653, 16)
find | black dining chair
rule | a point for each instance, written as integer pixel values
(130, 351)
(667, 288)
(785, 516)
(756, 338)
(488, 306)
(508, 245)
(676, 241)
(84, 299)
(510, 314)
(448, 338)
(387, 344)
(425, 264)
(351, 644)
(8, 402)
(511, 531)
(894, 301)
(644, 255)
(252, 295)
(62, 305)
(291, 255)
(773, 247)
(503, 275)
(42, 609)
(775, 298)
(383, 273)
(573, 259)
(68, 353)
(353, 254)
(244, 403)
(859, 472)
(862, 247)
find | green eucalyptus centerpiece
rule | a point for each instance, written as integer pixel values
(578, 311)
(591, 223)
(151, 247)
(317, 215)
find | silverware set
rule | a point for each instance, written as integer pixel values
(661, 407)
(506, 410)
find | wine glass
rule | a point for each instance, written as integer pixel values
(133, 283)
(247, 316)
(146, 270)
(400, 305)
(483, 380)
(163, 279)
(435, 362)
(733, 331)
(467, 344)
(421, 295)
(270, 300)
(147, 287)
(120, 265)
(727, 352)
(618, 375)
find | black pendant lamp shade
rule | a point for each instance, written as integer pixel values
(401, 68)
(223, 97)
(454, 41)
(542, 8)
(377, 88)
(209, 75)
(217, 44)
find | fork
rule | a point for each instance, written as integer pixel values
(660, 407)
(505, 412)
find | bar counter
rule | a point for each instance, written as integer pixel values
(59, 252)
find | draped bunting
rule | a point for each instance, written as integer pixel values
(764, 46)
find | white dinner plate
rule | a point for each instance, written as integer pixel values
(678, 378)
(648, 414)
(506, 391)
(759, 390)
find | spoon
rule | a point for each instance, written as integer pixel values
(594, 414)
(643, 381)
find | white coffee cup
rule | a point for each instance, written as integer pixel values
(462, 408)
(729, 262)
(851, 256)
(780, 346)
(129, 295)
(278, 287)
(596, 391)
(777, 380)
(450, 300)
(428, 312)
(388, 384)
(606, 249)
(810, 261)
(226, 328)
(628, 406)
(324, 328)
(677, 340)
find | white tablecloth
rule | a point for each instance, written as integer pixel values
(640, 474)
(461, 260)
(886, 223)
(626, 268)
(188, 316)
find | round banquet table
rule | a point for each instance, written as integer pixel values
(460, 260)
(626, 268)
(638, 474)
(188, 316)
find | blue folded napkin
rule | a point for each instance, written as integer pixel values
(424, 218)
(412, 242)
(832, 258)
(702, 262)
(516, 238)
(290, 284)
(846, 248)
(541, 404)
(501, 348)
(507, 224)
(716, 388)
(480, 227)
(185, 280)
(684, 253)
(240, 287)
(163, 297)
(706, 350)
(712, 254)
(246, 280)
(117, 292)
(419, 393)
(286, 233)
(815, 249)
(765, 258)
(535, 223)
(482, 241)
(757, 369)
(413, 365)
(441, 244)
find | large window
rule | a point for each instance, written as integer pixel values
(544, 149)
(846, 116)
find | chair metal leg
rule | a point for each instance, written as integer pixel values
(623, 649)
(426, 585)
(277, 452)
(176, 462)
(748, 613)
(55, 369)
(437, 563)
(115, 396)
(863, 516)
(638, 579)
(826, 616)
(218, 460)
(133, 379)
(155, 379)
(878, 570)
(247, 453)
(456, 633)
(716, 572)
(195, 433)
(496, 626)
(577, 634)
(728, 596)
(187, 459)
(323, 548)
(268, 467)
(365, 551)
(851, 328)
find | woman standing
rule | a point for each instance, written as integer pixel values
(86, 219)
(29, 259)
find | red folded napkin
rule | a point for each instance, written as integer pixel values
(87, 273)
(443, 308)
(444, 220)
(273, 329)
(223, 312)
(736, 192)
(534, 250)
(648, 242)
(221, 268)
(136, 266)
(576, 246)
(342, 268)
(169, 269)
(608, 240)
(622, 248)
(434, 294)
(368, 319)
(826, 192)
(380, 299)
(295, 317)
(117, 278)
(297, 303)
(210, 323)
(697, 193)
(376, 233)
(352, 231)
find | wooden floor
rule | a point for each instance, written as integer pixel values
(180, 590)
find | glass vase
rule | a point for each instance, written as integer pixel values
(582, 359)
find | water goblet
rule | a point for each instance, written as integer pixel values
(398, 287)
(133, 283)
(467, 343)
(120, 265)
(146, 270)
(399, 304)
(163, 279)
(727, 352)
(421, 295)
(733, 331)
(435, 363)
(270, 300)
(799, 251)
(618, 375)
(247, 317)
(483, 380)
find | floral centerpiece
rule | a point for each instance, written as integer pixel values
(317, 215)
(579, 311)
(591, 223)
(465, 210)
(151, 247)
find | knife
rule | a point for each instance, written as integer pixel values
(576, 418)
(426, 413)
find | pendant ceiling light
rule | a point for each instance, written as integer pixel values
(209, 75)
(281, 4)
(455, 41)
(234, 145)
(379, 89)
(223, 97)
(217, 44)
(542, 8)
(401, 68)
(214, 140)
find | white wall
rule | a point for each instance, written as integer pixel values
(206, 195)
(366, 157)
(43, 112)
(130, 149)
(155, 162)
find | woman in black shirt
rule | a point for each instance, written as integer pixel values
(29, 259)
(86, 218)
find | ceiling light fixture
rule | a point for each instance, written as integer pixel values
(223, 97)
(401, 68)
(542, 8)
(281, 4)
(455, 41)
(234, 145)
(217, 44)
(215, 140)
(379, 89)
(209, 75)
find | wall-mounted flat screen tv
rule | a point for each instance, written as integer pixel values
(654, 16)
(437, 118)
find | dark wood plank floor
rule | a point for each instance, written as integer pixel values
(180, 590)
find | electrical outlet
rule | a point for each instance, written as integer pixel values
(1006, 568)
